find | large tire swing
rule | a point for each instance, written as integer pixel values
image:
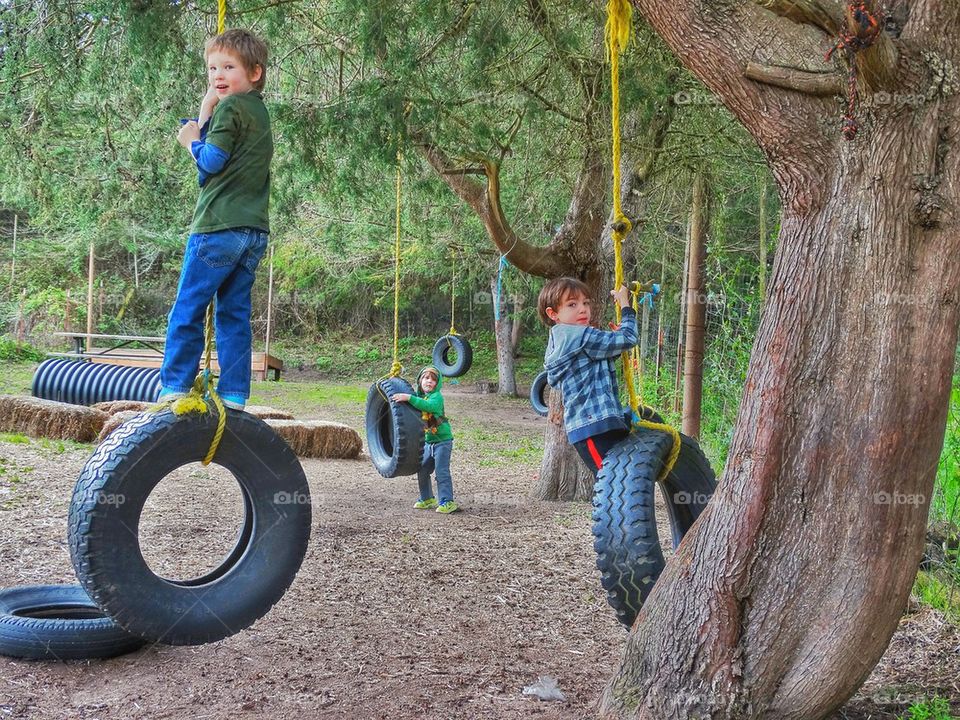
(539, 397)
(58, 622)
(394, 430)
(629, 555)
(105, 514)
(460, 347)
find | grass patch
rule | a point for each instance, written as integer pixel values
(933, 591)
(347, 358)
(14, 438)
(16, 377)
(498, 448)
(936, 708)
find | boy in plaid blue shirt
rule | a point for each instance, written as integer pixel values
(580, 362)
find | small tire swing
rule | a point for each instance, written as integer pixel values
(458, 345)
(539, 397)
(105, 512)
(629, 555)
(394, 430)
(453, 341)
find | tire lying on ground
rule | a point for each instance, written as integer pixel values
(394, 430)
(629, 555)
(441, 355)
(538, 394)
(105, 513)
(58, 622)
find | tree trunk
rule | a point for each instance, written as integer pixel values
(696, 310)
(563, 476)
(785, 593)
(517, 325)
(507, 384)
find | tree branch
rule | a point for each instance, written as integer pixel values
(485, 202)
(823, 14)
(549, 105)
(811, 83)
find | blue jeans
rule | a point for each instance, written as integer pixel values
(436, 456)
(221, 264)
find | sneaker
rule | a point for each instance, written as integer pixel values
(170, 396)
(428, 504)
(234, 402)
(448, 507)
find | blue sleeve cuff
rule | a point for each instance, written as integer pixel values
(209, 158)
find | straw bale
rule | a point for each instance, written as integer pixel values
(48, 418)
(267, 413)
(319, 439)
(113, 407)
(115, 421)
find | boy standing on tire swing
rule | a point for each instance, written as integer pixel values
(232, 146)
(438, 442)
(580, 362)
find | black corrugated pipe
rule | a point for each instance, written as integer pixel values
(87, 383)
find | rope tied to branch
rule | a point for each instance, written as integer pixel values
(867, 28)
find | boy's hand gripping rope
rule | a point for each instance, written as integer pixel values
(619, 18)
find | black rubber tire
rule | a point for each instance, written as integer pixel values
(441, 354)
(58, 622)
(103, 531)
(394, 430)
(629, 557)
(538, 394)
(688, 488)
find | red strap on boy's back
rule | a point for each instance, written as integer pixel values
(594, 453)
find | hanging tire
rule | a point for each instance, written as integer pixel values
(688, 488)
(629, 557)
(441, 355)
(105, 514)
(538, 394)
(394, 430)
(58, 622)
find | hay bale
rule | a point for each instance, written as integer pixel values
(48, 418)
(319, 439)
(115, 421)
(112, 407)
(267, 413)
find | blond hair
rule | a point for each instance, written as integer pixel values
(250, 49)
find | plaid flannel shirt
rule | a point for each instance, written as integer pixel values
(580, 361)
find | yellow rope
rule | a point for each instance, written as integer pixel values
(396, 368)
(618, 29)
(453, 293)
(221, 16)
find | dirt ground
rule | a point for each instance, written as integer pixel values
(396, 613)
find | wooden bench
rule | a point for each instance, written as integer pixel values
(121, 350)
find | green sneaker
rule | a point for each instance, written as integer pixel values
(428, 504)
(448, 507)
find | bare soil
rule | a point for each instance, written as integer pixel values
(396, 613)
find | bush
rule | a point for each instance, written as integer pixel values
(15, 351)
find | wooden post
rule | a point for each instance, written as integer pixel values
(13, 258)
(90, 299)
(266, 348)
(696, 311)
(663, 280)
(763, 241)
(681, 318)
(644, 327)
(68, 314)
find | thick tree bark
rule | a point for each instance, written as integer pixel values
(786, 592)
